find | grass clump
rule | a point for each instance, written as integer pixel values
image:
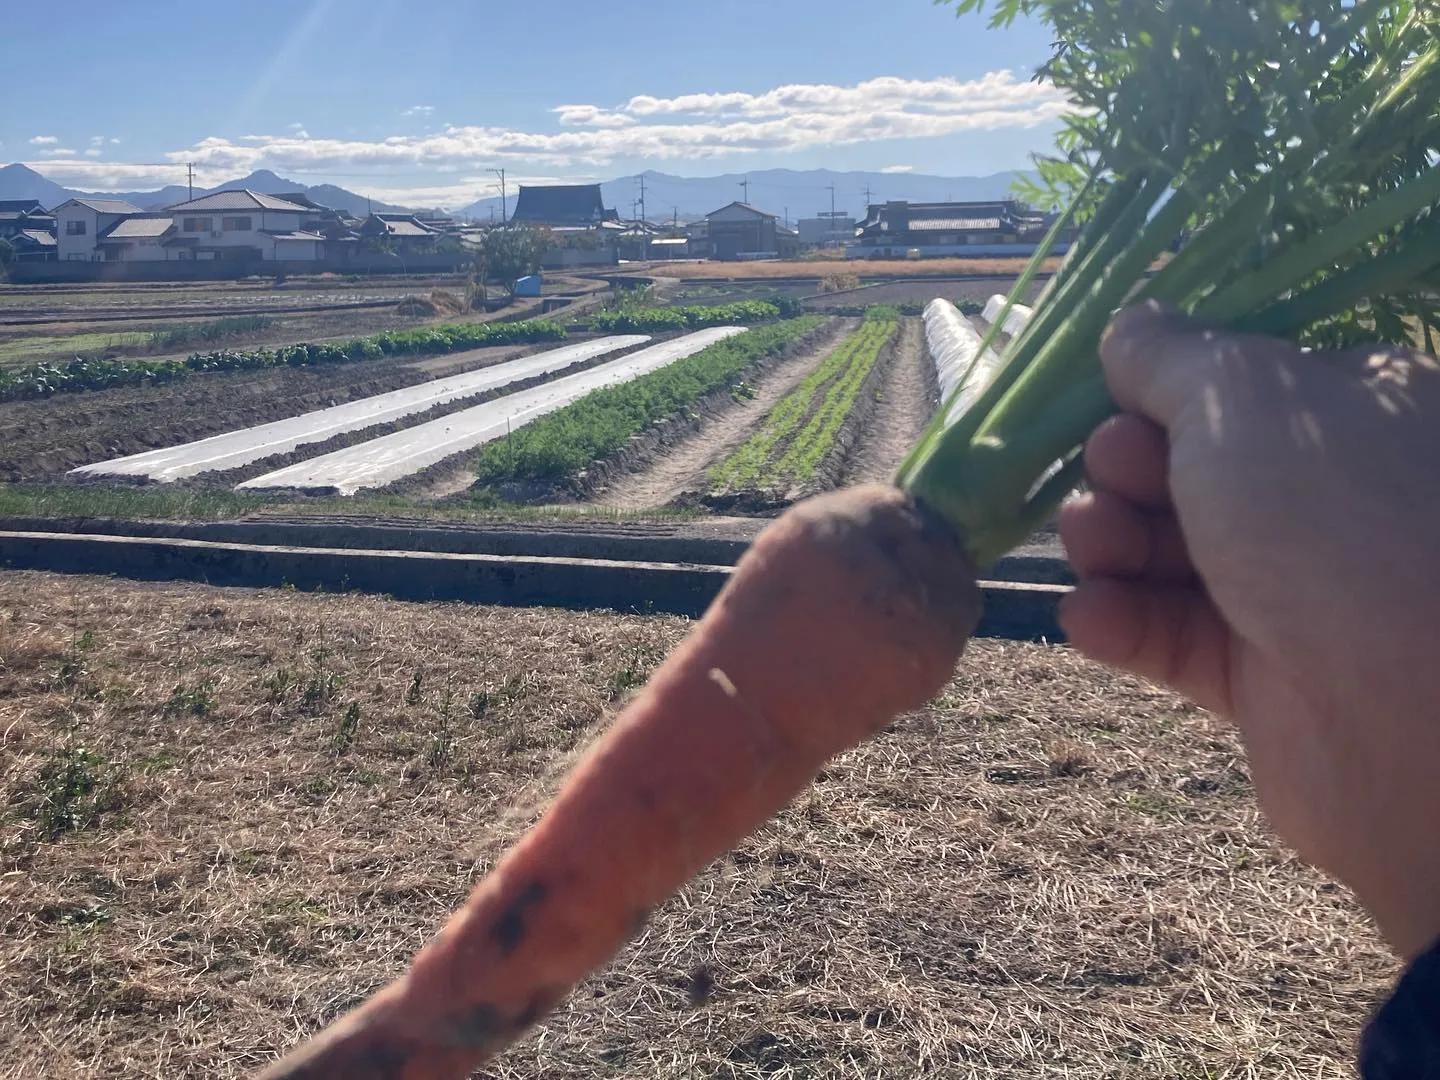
(208, 332)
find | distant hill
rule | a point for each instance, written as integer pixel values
(19, 181)
(785, 192)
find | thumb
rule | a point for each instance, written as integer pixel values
(1159, 363)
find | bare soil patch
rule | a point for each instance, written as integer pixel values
(1052, 871)
(682, 467)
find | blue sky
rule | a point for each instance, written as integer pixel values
(418, 102)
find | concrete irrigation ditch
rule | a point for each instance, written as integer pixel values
(542, 567)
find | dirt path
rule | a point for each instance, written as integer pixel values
(904, 408)
(684, 468)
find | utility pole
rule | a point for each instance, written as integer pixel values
(190, 178)
(867, 196)
(644, 234)
(832, 213)
(745, 187)
(504, 208)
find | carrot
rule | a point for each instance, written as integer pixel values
(848, 610)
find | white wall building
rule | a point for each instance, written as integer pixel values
(79, 223)
(242, 225)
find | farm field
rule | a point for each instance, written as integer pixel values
(237, 448)
(58, 322)
(231, 814)
(682, 448)
(799, 432)
(380, 462)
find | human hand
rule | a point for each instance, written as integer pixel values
(1262, 534)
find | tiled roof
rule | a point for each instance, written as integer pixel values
(559, 204)
(236, 200)
(138, 228)
(407, 228)
(742, 206)
(108, 206)
(293, 235)
(20, 206)
(957, 224)
(39, 236)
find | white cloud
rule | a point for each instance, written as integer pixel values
(455, 159)
(898, 169)
(59, 152)
(590, 116)
(418, 110)
(97, 140)
(465, 190)
(93, 175)
(93, 151)
(695, 127)
(995, 90)
(114, 141)
(44, 140)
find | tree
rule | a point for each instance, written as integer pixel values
(512, 253)
(7, 253)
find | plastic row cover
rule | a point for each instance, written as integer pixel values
(1014, 322)
(954, 345)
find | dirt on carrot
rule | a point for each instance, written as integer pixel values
(230, 815)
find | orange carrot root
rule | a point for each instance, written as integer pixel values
(849, 610)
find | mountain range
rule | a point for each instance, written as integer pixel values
(790, 193)
(19, 181)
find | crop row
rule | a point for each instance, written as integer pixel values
(566, 441)
(651, 319)
(43, 379)
(802, 427)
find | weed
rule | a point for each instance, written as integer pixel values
(197, 700)
(280, 684)
(75, 789)
(412, 695)
(480, 705)
(179, 337)
(323, 685)
(631, 677)
(163, 759)
(319, 786)
(347, 730)
(320, 690)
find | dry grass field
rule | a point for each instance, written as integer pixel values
(225, 816)
(865, 268)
